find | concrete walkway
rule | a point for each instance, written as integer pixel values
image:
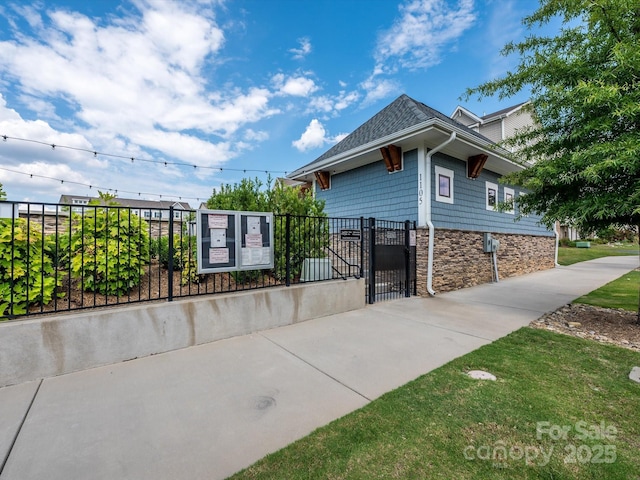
(206, 412)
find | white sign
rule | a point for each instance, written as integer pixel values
(412, 238)
(218, 221)
(218, 237)
(218, 255)
(253, 240)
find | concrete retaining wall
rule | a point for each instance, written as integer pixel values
(48, 346)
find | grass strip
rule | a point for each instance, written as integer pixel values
(621, 293)
(571, 255)
(544, 418)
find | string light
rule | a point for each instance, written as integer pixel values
(95, 153)
(114, 190)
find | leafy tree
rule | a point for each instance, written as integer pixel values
(247, 195)
(585, 98)
(3, 195)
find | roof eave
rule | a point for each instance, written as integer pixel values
(462, 135)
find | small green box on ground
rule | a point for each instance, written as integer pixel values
(583, 244)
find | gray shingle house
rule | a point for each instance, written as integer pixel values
(154, 211)
(411, 162)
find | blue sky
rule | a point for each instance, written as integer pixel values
(222, 86)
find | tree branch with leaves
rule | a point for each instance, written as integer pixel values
(583, 152)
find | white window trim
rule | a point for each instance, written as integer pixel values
(491, 186)
(510, 191)
(447, 173)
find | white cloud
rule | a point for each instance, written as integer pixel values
(251, 135)
(416, 40)
(504, 26)
(298, 86)
(378, 88)
(142, 73)
(315, 136)
(346, 99)
(23, 162)
(424, 29)
(334, 103)
(339, 137)
(303, 50)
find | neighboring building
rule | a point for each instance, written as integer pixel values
(497, 126)
(502, 125)
(411, 162)
(154, 211)
(147, 209)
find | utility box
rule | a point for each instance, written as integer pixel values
(490, 244)
(314, 269)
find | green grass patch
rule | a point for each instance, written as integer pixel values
(445, 425)
(621, 293)
(571, 255)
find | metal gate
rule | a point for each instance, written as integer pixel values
(389, 259)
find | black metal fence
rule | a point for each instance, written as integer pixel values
(58, 258)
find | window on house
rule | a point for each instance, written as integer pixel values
(509, 200)
(492, 196)
(147, 214)
(157, 214)
(444, 185)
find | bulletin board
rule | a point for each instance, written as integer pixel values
(233, 240)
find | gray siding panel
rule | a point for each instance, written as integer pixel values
(370, 191)
(469, 212)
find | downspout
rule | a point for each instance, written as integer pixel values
(430, 153)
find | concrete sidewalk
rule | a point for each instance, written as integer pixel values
(211, 410)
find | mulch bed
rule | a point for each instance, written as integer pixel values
(605, 325)
(154, 285)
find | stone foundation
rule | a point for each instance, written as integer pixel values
(459, 262)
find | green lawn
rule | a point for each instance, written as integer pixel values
(571, 255)
(621, 293)
(445, 425)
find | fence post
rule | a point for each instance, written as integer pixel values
(361, 247)
(407, 259)
(287, 249)
(171, 253)
(372, 260)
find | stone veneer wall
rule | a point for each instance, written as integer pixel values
(459, 261)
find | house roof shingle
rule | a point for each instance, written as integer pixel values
(503, 111)
(404, 112)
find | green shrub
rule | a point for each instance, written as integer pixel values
(246, 276)
(308, 238)
(565, 242)
(109, 248)
(160, 250)
(186, 252)
(31, 280)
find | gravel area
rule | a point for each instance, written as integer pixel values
(605, 325)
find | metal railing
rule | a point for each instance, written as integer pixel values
(60, 258)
